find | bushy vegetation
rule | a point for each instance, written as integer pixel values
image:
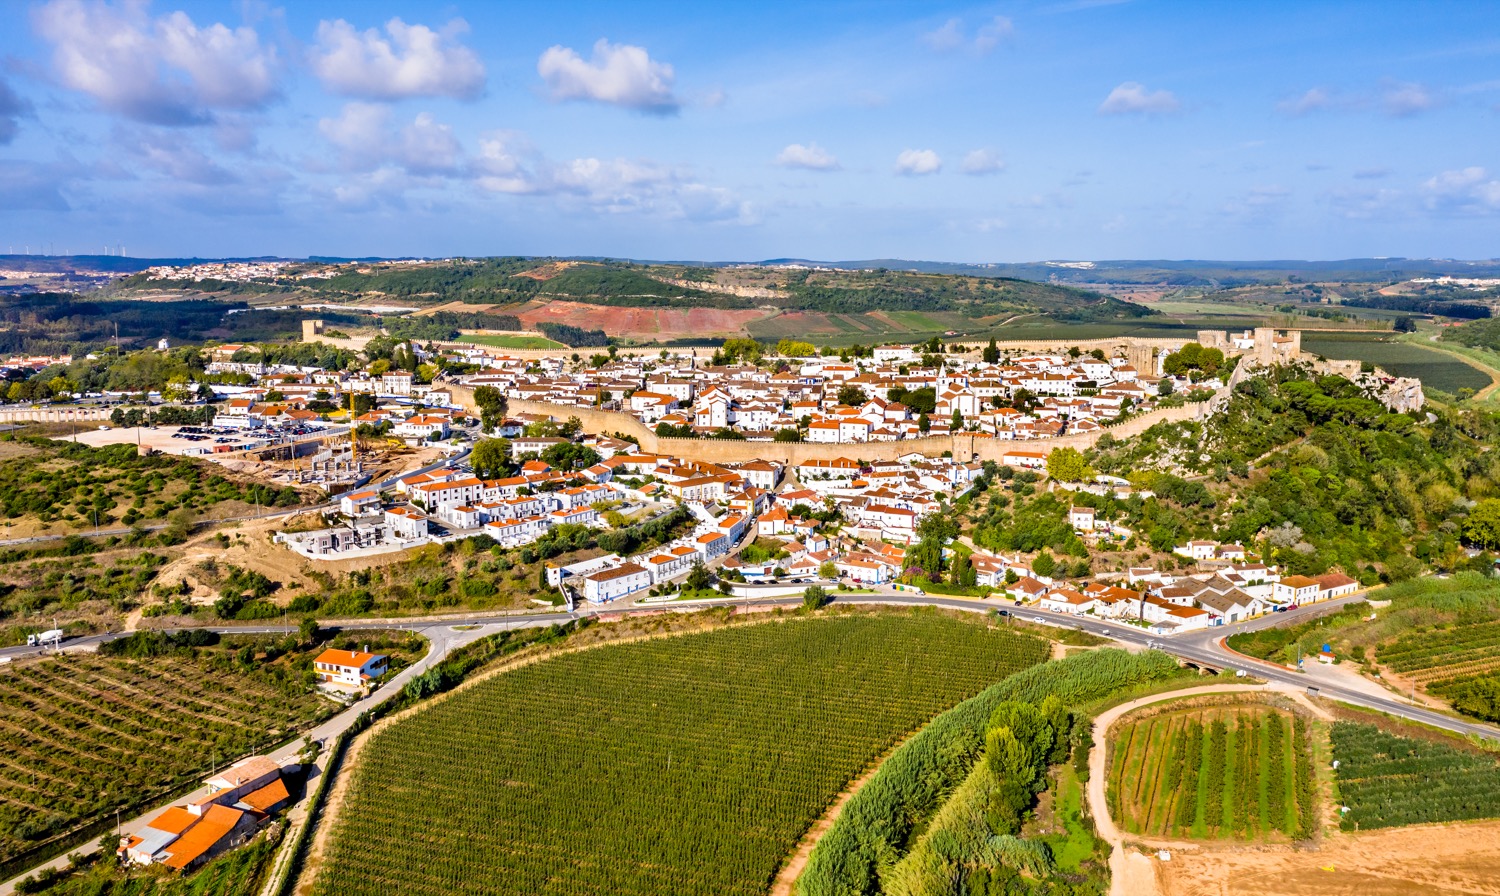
(877, 823)
(574, 337)
(1476, 334)
(1387, 780)
(83, 486)
(697, 778)
(1339, 482)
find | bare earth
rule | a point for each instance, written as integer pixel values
(1430, 860)
(648, 323)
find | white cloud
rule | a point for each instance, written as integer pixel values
(948, 37)
(163, 70)
(914, 162)
(408, 61)
(1316, 99)
(617, 74)
(1132, 98)
(952, 35)
(983, 161)
(509, 163)
(812, 157)
(1465, 191)
(367, 141)
(1406, 99)
(177, 159)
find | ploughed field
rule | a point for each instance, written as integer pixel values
(683, 765)
(1238, 772)
(82, 735)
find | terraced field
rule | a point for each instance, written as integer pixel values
(82, 735)
(1217, 773)
(687, 765)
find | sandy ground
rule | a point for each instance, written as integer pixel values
(158, 438)
(1430, 860)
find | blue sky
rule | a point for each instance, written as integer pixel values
(738, 131)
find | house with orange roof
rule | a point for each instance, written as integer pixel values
(350, 668)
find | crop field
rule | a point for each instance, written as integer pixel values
(687, 765)
(82, 735)
(1435, 369)
(1218, 773)
(1388, 781)
(512, 340)
(1439, 654)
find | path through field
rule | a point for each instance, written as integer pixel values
(1131, 872)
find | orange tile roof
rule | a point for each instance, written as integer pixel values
(201, 837)
(265, 798)
(174, 821)
(351, 658)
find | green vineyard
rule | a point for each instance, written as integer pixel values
(1223, 773)
(1387, 781)
(688, 765)
(83, 735)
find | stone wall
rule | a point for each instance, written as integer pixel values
(962, 445)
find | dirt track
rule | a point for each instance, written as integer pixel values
(1131, 872)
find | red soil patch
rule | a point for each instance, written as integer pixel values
(667, 323)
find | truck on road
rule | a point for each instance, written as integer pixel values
(52, 636)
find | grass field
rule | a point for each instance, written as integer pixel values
(84, 734)
(1436, 369)
(1216, 773)
(509, 340)
(687, 765)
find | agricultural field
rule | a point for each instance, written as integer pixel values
(1436, 369)
(512, 340)
(1224, 772)
(684, 765)
(1388, 780)
(81, 735)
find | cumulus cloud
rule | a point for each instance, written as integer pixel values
(406, 61)
(165, 70)
(174, 158)
(983, 161)
(1464, 191)
(953, 35)
(1316, 99)
(366, 140)
(915, 162)
(1132, 98)
(1403, 100)
(616, 74)
(811, 157)
(12, 109)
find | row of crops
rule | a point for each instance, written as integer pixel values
(82, 735)
(1387, 780)
(1436, 653)
(688, 765)
(1228, 773)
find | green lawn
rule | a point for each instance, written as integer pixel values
(509, 340)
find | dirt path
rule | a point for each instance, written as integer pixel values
(786, 879)
(1131, 872)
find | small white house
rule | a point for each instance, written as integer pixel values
(616, 582)
(359, 503)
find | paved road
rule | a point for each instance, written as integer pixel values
(1201, 648)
